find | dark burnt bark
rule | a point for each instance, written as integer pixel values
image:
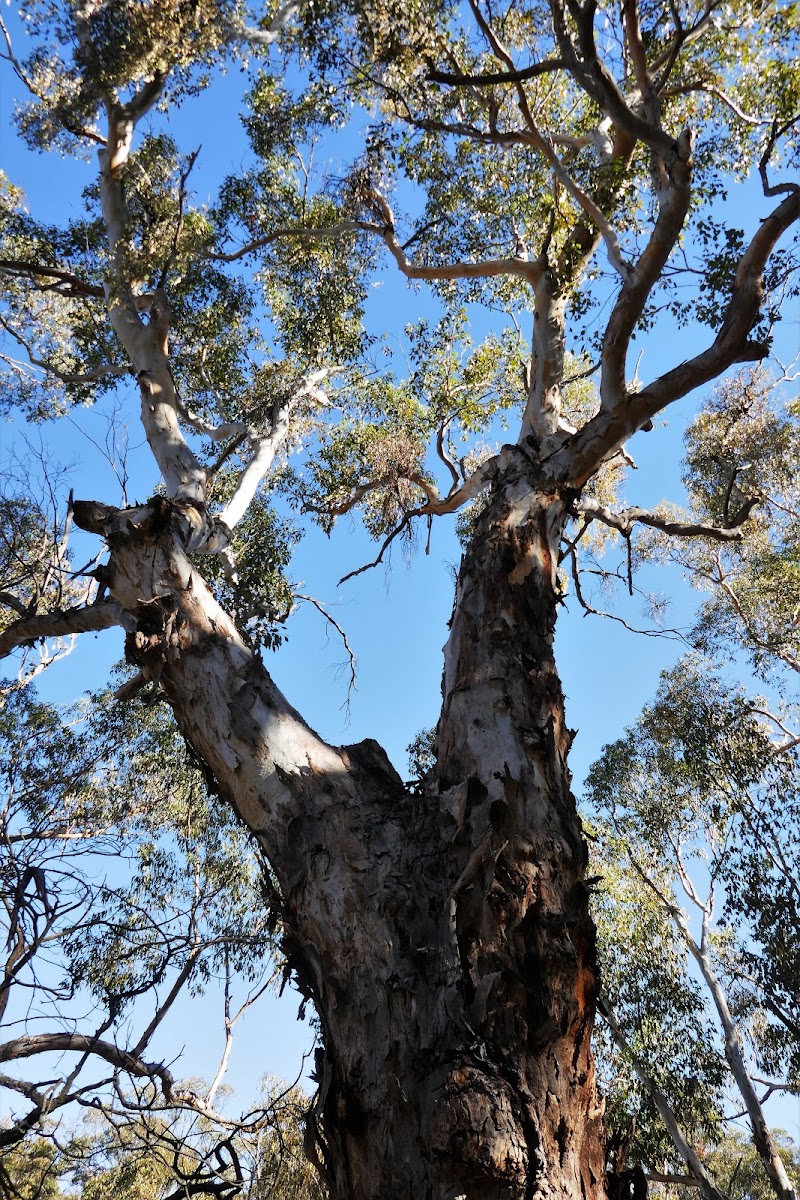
(442, 932)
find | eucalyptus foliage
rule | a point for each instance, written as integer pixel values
(697, 813)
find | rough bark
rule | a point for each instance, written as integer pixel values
(441, 931)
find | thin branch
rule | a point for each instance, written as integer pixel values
(331, 621)
(775, 132)
(180, 979)
(92, 376)
(179, 224)
(545, 147)
(590, 610)
(709, 89)
(404, 524)
(487, 269)
(318, 232)
(90, 133)
(733, 1048)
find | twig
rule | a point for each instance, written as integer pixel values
(351, 686)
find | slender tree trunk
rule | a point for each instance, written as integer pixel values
(442, 932)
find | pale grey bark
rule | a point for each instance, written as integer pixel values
(625, 519)
(90, 618)
(733, 1047)
(700, 1176)
(734, 1053)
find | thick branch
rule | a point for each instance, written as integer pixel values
(633, 34)
(48, 1043)
(594, 78)
(266, 446)
(145, 344)
(460, 270)
(546, 148)
(490, 78)
(734, 1054)
(764, 1142)
(606, 432)
(672, 184)
(270, 34)
(628, 517)
(65, 282)
(63, 623)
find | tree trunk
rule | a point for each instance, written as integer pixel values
(442, 932)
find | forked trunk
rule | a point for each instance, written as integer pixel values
(442, 931)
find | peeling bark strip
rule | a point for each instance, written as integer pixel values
(442, 933)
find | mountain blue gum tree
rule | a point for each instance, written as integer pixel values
(442, 930)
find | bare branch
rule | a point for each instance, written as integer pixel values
(628, 517)
(179, 224)
(437, 506)
(675, 1180)
(590, 610)
(404, 524)
(63, 623)
(331, 621)
(775, 132)
(709, 89)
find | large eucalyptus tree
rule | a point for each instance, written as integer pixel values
(563, 162)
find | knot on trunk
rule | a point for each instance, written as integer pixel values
(161, 633)
(477, 1134)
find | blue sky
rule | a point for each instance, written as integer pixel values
(395, 617)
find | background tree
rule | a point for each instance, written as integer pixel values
(697, 821)
(699, 837)
(123, 884)
(442, 932)
(164, 1154)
